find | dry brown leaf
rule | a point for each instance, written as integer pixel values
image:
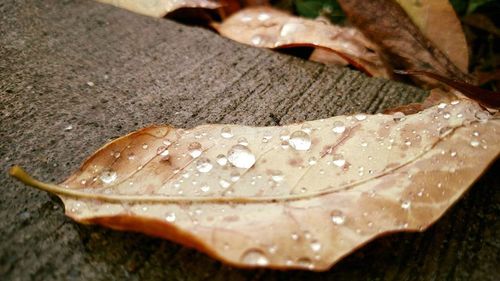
(436, 96)
(438, 21)
(160, 8)
(388, 25)
(295, 197)
(270, 28)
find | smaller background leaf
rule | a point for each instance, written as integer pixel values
(315, 8)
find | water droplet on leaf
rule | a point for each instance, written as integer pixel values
(221, 160)
(241, 157)
(398, 116)
(360, 116)
(194, 149)
(337, 217)
(226, 133)
(170, 217)
(338, 127)
(254, 257)
(300, 140)
(108, 176)
(203, 165)
(315, 245)
(338, 160)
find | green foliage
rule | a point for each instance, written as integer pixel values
(465, 7)
(314, 8)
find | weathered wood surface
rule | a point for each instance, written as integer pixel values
(152, 71)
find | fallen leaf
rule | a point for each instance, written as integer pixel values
(388, 25)
(295, 197)
(327, 57)
(270, 28)
(160, 8)
(483, 96)
(436, 96)
(438, 21)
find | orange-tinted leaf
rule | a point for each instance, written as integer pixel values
(159, 8)
(270, 28)
(294, 197)
(327, 57)
(438, 21)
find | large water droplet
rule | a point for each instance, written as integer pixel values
(338, 127)
(254, 257)
(194, 149)
(203, 165)
(108, 176)
(300, 140)
(337, 217)
(226, 133)
(241, 157)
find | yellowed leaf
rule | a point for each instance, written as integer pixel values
(300, 196)
(438, 21)
(270, 28)
(160, 8)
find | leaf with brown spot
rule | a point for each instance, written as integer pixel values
(300, 196)
(160, 8)
(270, 28)
(387, 24)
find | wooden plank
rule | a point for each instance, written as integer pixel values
(106, 72)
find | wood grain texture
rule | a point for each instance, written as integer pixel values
(154, 71)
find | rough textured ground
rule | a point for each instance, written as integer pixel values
(146, 71)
